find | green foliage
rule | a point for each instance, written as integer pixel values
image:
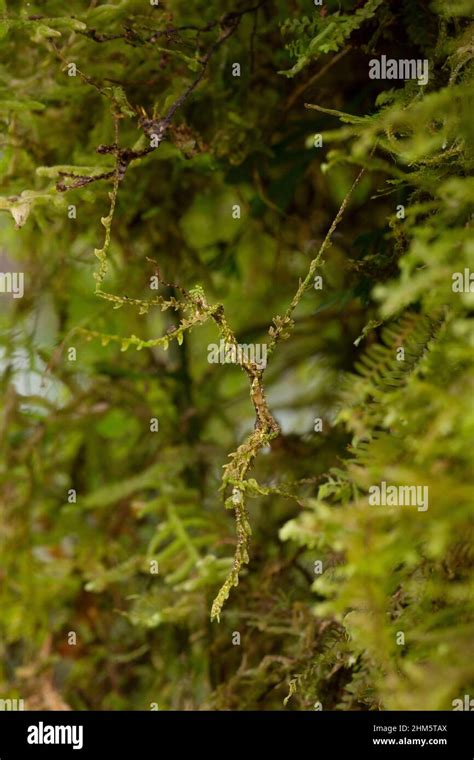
(324, 34)
(236, 490)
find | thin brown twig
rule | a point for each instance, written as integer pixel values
(318, 75)
(286, 323)
(156, 129)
